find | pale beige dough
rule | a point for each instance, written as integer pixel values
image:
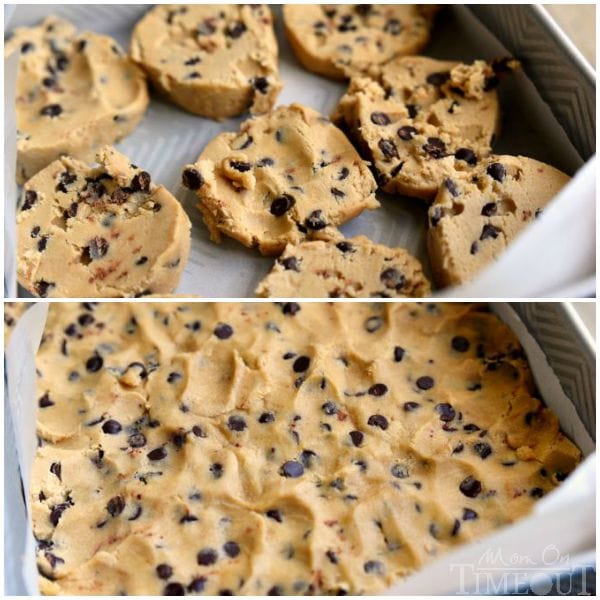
(166, 432)
(284, 177)
(474, 219)
(420, 120)
(213, 60)
(341, 41)
(104, 231)
(75, 93)
(353, 268)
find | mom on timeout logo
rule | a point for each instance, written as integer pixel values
(500, 573)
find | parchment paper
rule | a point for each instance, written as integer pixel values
(168, 138)
(564, 518)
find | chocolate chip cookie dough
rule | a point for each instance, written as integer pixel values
(278, 449)
(75, 93)
(284, 177)
(213, 60)
(104, 231)
(340, 41)
(472, 222)
(354, 268)
(420, 120)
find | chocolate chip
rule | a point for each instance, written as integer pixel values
(275, 514)
(157, 454)
(94, 364)
(290, 308)
(137, 440)
(306, 458)
(413, 110)
(315, 221)
(489, 209)
(393, 279)
(111, 427)
(301, 364)
(235, 30)
(467, 155)
(446, 411)
(345, 247)
(469, 515)
(30, 200)
(496, 171)
(115, 506)
(217, 470)
(536, 492)
(198, 431)
(474, 248)
(281, 205)
(223, 331)
(372, 324)
(236, 423)
(470, 487)
(378, 421)
(290, 263)
(337, 193)
(460, 343)
(451, 187)
(164, 571)
(291, 468)
(357, 438)
(399, 353)
(388, 148)
(435, 147)
(231, 549)
(192, 179)
(378, 389)
(56, 513)
(483, 449)
(373, 566)
(141, 182)
(425, 382)
(343, 173)
(399, 471)
(44, 401)
(197, 584)
(380, 118)
(329, 408)
(406, 132)
(438, 79)
(62, 62)
(240, 166)
(174, 589)
(56, 469)
(488, 231)
(393, 27)
(26, 47)
(42, 243)
(411, 406)
(265, 162)
(207, 557)
(97, 248)
(51, 110)
(260, 84)
(174, 377)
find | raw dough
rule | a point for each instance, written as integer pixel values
(286, 176)
(256, 448)
(213, 60)
(104, 231)
(472, 222)
(419, 120)
(354, 268)
(340, 41)
(75, 93)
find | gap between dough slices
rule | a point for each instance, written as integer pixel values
(104, 231)
(286, 176)
(74, 93)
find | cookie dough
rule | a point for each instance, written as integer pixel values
(104, 231)
(317, 448)
(284, 177)
(419, 120)
(340, 41)
(75, 93)
(12, 314)
(213, 60)
(354, 268)
(472, 222)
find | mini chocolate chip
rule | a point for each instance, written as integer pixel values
(329, 408)
(51, 110)
(425, 382)
(174, 377)
(407, 132)
(388, 148)
(97, 248)
(207, 557)
(380, 118)
(115, 506)
(276, 590)
(44, 401)
(42, 243)
(292, 468)
(345, 247)
(474, 248)
(489, 209)
(217, 470)
(30, 200)
(197, 584)
(483, 449)
(488, 231)
(223, 331)
(435, 147)
(496, 171)
(56, 513)
(343, 173)
(471, 427)
(399, 471)
(438, 79)
(536, 492)
(467, 155)
(275, 514)
(141, 182)
(469, 515)
(111, 427)
(290, 308)
(460, 343)
(198, 431)
(357, 438)
(470, 487)
(164, 571)
(236, 423)
(413, 110)
(451, 187)
(42, 288)
(306, 458)
(265, 162)
(192, 179)
(235, 30)
(290, 263)
(399, 353)
(266, 417)
(231, 549)
(393, 279)
(337, 193)
(26, 47)
(393, 27)
(240, 166)
(373, 566)
(260, 84)
(378, 389)
(56, 469)
(137, 440)
(62, 62)
(446, 411)
(174, 589)
(301, 364)
(94, 364)
(315, 221)
(411, 406)
(157, 454)
(281, 205)
(378, 421)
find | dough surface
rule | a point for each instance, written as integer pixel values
(419, 120)
(261, 448)
(104, 231)
(354, 268)
(212, 60)
(284, 177)
(340, 41)
(75, 93)
(472, 221)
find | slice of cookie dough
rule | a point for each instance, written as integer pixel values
(354, 268)
(419, 120)
(104, 231)
(74, 94)
(213, 60)
(284, 177)
(340, 41)
(472, 222)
